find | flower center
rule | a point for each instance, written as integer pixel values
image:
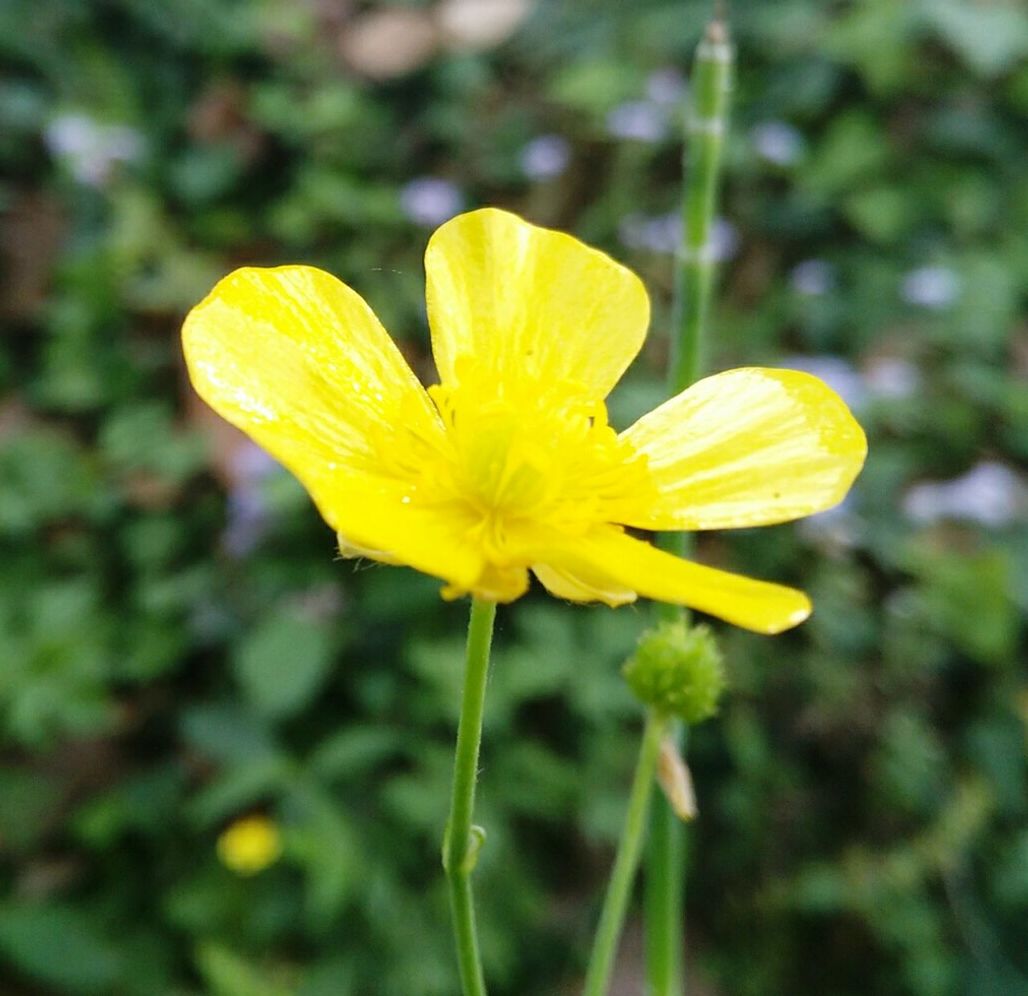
(499, 469)
(523, 457)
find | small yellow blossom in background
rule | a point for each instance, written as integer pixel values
(249, 845)
(509, 465)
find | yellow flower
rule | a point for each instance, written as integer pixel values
(250, 845)
(509, 464)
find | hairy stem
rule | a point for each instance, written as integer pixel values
(705, 127)
(463, 841)
(705, 130)
(619, 890)
(664, 898)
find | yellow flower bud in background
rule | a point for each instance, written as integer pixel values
(249, 845)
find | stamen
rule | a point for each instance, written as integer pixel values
(521, 458)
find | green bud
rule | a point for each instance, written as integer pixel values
(678, 670)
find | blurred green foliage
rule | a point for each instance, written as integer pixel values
(180, 648)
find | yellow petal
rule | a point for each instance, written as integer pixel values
(384, 526)
(494, 584)
(298, 361)
(747, 447)
(581, 589)
(436, 539)
(527, 305)
(632, 564)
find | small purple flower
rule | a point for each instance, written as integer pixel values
(638, 121)
(666, 86)
(632, 230)
(545, 157)
(724, 239)
(250, 464)
(925, 502)
(90, 150)
(835, 528)
(320, 603)
(247, 511)
(70, 134)
(655, 233)
(247, 514)
(124, 144)
(892, 377)
(431, 200)
(813, 277)
(934, 287)
(777, 142)
(662, 233)
(989, 494)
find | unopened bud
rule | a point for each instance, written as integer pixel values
(677, 670)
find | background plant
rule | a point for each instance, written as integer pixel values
(863, 794)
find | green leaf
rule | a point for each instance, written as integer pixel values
(239, 788)
(227, 734)
(59, 947)
(228, 974)
(593, 85)
(283, 663)
(146, 804)
(45, 477)
(883, 214)
(354, 751)
(989, 37)
(853, 150)
(29, 803)
(331, 978)
(323, 842)
(968, 599)
(875, 37)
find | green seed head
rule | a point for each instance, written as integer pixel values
(678, 670)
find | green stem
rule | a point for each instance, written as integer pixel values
(463, 841)
(615, 903)
(665, 893)
(706, 128)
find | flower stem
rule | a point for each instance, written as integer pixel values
(706, 128)
(615, 903)
(665, 893)
(462, 841)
